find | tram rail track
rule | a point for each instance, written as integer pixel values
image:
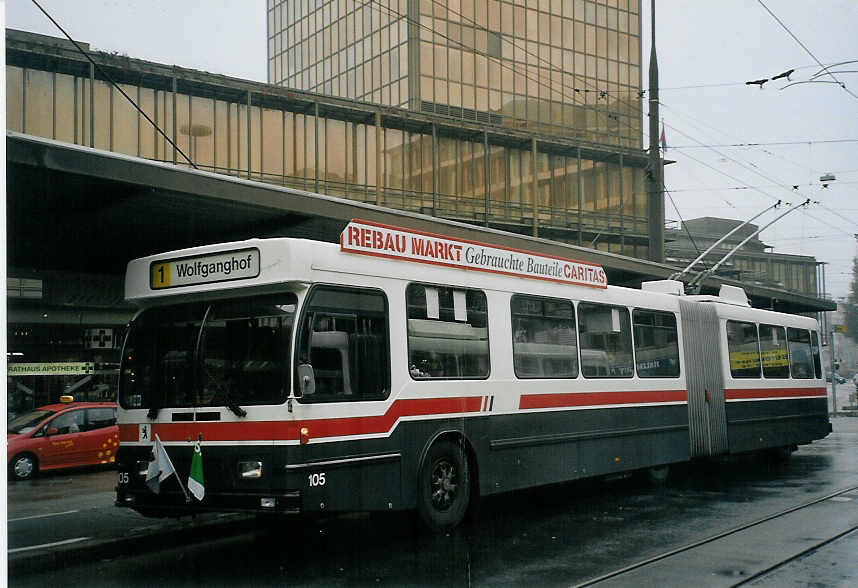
(808, 551)
(689, 547)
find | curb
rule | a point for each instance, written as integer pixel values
(845, 413)
(171, 535)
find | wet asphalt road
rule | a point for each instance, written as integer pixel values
(71, 507)
(65, 506)
(547, 537)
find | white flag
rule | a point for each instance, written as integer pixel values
(160, 468)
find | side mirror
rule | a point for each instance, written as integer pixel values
(52, 431)
(306, 380)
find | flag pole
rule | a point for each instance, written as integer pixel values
(175, 473)
(185, 492)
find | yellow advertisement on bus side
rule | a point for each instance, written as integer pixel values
(743, 360)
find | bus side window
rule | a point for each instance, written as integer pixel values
(800, 354)
(656, 344)
(448, 336)
(743, 349)
(773, 351)
(544, 341)
(344, 339)
(817, 361)
(606, 341)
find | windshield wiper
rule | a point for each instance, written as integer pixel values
(233, 406)
(155, 408)
(236, 409)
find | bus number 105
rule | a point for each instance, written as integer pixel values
(316, 479)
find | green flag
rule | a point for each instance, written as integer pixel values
(195, 479)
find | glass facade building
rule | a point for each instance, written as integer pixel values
(560, 66)
(516, 179)
(349, 49)
(511, 167)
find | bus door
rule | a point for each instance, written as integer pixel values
(343, 366)
(707, 420)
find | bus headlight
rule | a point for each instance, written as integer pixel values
(143, 468)
(250, 470)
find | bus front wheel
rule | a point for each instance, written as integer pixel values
(445, 486)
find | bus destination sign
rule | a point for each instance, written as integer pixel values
(223, 266)
(369, 238)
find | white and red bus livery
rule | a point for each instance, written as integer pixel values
(404, 370)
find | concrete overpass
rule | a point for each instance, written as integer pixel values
(76, 211)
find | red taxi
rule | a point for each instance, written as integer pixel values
(65, 435)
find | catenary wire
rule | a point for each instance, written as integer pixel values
(808, 51)
(551, 68)
(379, 7)
(114, 84)
(179, 150)
(502, 63)
(770, 143)
(729, 188)
(704, 124)
(684, 226)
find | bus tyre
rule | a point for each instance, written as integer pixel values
(657, 476)
(780, 454)
(23, 467)
(445, 486)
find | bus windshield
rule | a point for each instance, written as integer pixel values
(225, 353)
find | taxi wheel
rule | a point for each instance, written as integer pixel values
(23, 467)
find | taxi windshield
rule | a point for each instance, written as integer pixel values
(28, 421)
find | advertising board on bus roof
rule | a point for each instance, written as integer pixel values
(368, 238)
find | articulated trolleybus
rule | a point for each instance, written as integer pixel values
(402, 370)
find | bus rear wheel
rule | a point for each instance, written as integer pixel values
(445, 486)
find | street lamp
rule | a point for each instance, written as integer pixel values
(195, 131)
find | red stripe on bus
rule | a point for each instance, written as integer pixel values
(600, 398)
(286, 430)
(744, 393)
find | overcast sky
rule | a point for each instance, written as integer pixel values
(707, 50)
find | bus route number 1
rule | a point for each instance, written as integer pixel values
(160, 276)
(316, 479)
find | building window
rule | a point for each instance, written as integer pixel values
(494, 44)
